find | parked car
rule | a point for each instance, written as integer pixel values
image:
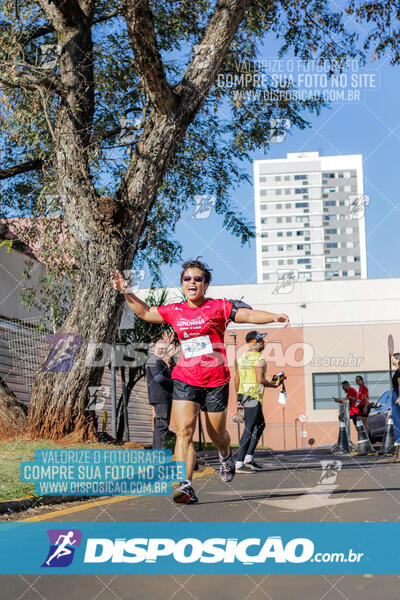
(378, 417)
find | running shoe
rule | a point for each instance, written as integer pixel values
(184, 494)
(244, 469)
(227, 468)
(254, 466)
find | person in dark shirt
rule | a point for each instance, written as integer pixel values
(159, 387)
(395, 398)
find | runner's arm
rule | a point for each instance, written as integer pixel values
(259, 317)
(236, 382)
(139, 307)
(260, 370)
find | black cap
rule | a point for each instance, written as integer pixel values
(255, 336)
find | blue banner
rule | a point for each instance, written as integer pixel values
(199, 548)
(72, 472)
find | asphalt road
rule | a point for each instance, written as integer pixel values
(294, 487)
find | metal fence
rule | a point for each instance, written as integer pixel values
(23, 348)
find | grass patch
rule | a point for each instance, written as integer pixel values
(16, 450)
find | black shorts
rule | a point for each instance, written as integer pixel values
(367, 410)
(212, 399)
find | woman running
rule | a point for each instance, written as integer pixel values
(201, 376)
(364, 405)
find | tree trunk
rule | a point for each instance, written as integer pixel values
(12, 413)
(59, 397)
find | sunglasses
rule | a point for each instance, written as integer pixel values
(196, 278)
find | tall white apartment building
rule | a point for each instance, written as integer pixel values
(309, 213)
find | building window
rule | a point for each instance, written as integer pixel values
(280, 248)
(278, 192)
(280, 233)
(330, 203)
(288, 205)
(298, 177)
(263, 192)
(264, 206)
(264, 220)
(279, 206)
(344, 273)
(264, 248)
(332, 245)
(265, 263)
(281, 262)
(303, 261)
(264, 234)
(326, 230)
(265, 276)
(288, 219)
(299, 232)
(328, 385)
(290, 261)
(301, 205)
(290, 247)
(287, 177)
(263, 179)
(289, 234)
(279, 219)
(300, 191)
(277, 177)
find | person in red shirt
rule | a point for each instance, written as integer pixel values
(352, 398)
(201, 376)
(364, 405)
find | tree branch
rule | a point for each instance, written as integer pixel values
(30, 165)
(139, 20)
(210, 52)
(45, 29)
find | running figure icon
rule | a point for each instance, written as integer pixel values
(62, 550)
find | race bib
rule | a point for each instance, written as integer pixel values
(197, 346)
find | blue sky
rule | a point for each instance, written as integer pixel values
(370, 127)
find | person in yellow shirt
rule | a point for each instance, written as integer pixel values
(250, 383)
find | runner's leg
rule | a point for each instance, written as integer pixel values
(216, 429)
(184, 415)
(250, 421)
(258, 428)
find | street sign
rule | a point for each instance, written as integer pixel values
(302, 418)
(304, 434)
(391, 351)
(390, 345)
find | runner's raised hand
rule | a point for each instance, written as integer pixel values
(118, 281)
(282, 318)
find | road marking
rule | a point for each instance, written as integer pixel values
(316, 497)
(307, 498)
(74, 509)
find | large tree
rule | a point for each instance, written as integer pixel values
(120, 198)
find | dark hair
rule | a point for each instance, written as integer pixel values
(343, 382)
(397, 355)
(360, 377)
(197, 264)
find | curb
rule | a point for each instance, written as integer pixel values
(21, 504)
